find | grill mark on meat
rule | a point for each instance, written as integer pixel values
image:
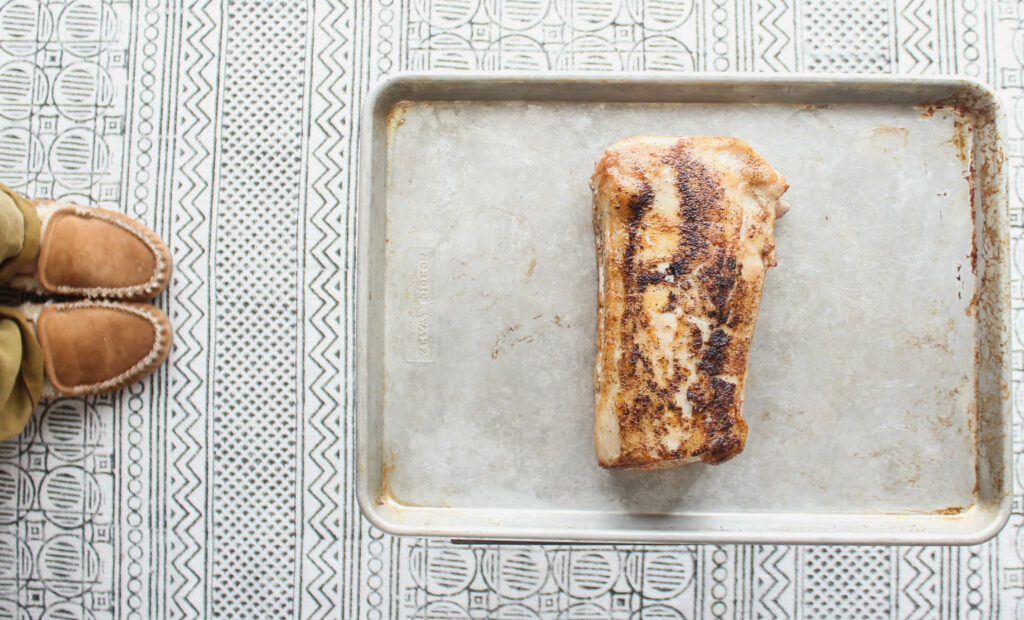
(645, 279)
(719, 418)
(636, 364)
(639, 204)
(696, 339)
(662, 360)
(720, 280)
(642, 400)
(713, 358)
(700, 199)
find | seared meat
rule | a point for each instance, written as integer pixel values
(684, 236)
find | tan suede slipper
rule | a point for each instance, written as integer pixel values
(93, 252)
(95, 347)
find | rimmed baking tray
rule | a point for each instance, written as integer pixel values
(877, 393)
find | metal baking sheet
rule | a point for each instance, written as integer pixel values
(877, 393)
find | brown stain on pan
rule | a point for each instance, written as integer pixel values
(964, 143)
(976, 139)
(948, 511)
(972, 306)
(396, 116)
(994, 248)
(384, 493)
(890, 140)
(961, 140)
(962, 103)
(974, 217)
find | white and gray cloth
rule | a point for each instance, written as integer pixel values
(223, 486)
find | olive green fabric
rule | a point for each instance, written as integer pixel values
(12, 228)
(21, 372)
(26, 238)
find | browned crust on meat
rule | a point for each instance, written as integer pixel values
(705, 273)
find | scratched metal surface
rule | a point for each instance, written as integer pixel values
(863, 388)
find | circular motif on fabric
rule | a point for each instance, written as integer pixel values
(442, 571)
(24, 27)
(516, 14)
(17, 493)
(659, 575)
(660, 53)
(79, 90)
(585, 611)
(71, 428)
(440, 610)
(513, 611)
(10, 609)
(15, 563)
(84, 27)
(587, 15)
(75, 155)
(68, 565)
(657, 612)
(585, 574)
(446, 14)
(514, 574)
(67, 611)
(70, 496)
(588, 53)
(21, 155)
(515, 52)
(659, 15)
(448, 52)
(22, 86)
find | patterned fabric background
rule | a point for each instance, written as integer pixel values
(223, 486)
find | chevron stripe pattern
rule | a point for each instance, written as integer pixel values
(917, 37)
(328, 512)
(774, 35)
(773, 590)
(181, 591)
(920, 586)
(224, 485)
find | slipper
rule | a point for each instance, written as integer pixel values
(93, 252)
(96, 347)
